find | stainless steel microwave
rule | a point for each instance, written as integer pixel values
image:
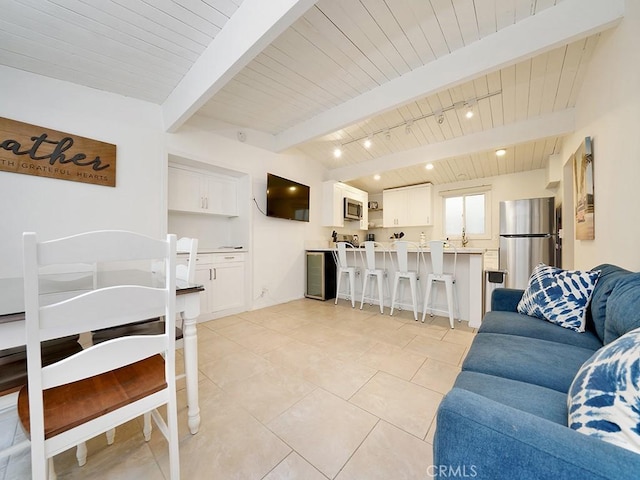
(352, 209)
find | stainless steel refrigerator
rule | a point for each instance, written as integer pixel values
(527, 238)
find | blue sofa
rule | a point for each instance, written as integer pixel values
(506, 416)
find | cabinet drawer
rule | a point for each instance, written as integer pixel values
(227, 257)
(204, 259)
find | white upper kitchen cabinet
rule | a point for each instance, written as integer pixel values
(333, 195)
(199, 192)
(407, 206)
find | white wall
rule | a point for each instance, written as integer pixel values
(54, 208)
(608, 110)
(276, 246)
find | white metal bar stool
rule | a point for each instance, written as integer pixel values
(448, 279)
(343, 268)
(379, 274)
(404, 273)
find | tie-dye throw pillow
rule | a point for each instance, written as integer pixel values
(604, 398)
(559, 296)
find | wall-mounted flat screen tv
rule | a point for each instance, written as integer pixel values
(287, 199)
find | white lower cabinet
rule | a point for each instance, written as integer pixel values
(223, 277)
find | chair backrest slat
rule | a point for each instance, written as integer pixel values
(100, 246)
(85, 312)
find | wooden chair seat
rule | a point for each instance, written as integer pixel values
(73, 404)
(13, 361)
(148, 327)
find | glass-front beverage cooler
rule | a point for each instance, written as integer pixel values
(321, 275)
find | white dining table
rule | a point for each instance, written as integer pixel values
(13, 332)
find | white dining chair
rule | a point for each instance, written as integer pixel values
(373, 271)
(344, 267)
(108, 383)
(448, 279)
(185, 271)
(403, 273)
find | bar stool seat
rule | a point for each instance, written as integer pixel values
(448, 279)
(371, 271)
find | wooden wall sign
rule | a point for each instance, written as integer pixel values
(43, 152)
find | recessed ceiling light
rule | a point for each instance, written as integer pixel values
(429, 166)
(501, 152)
(337, 153)
(376, 177)
(367, 143)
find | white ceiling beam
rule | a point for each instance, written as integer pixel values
(568, 21)
(544, 126)
(250, 30)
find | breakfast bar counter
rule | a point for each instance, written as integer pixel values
(469, 277)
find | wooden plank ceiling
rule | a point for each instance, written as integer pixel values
(336, 51)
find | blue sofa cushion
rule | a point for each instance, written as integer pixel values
(540, 362)
(493, 441)
(539, 401)
(623, 308)
(506, 299)
(604, 398)
(610, 275)
(510, 323)
(560, 296)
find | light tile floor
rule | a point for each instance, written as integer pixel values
(303, 390)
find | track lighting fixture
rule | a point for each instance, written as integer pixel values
(407, 128)
(438, 115)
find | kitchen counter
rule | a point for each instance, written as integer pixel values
(465, 250)
(469, 275)
(202, 250)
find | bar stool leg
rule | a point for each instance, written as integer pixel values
(379, 281)
(396, 281)
(352, 288)
(414, 296)
(427, 298)
(449, 288)
(364, 289)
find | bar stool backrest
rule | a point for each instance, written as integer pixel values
(437, 256)
(341, 258)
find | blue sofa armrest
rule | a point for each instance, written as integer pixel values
(505, 299)
(489, 440)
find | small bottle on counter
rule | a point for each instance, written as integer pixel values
(423, 239)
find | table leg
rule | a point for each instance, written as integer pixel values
(190, 339)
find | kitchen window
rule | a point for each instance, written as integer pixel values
(468, 211)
